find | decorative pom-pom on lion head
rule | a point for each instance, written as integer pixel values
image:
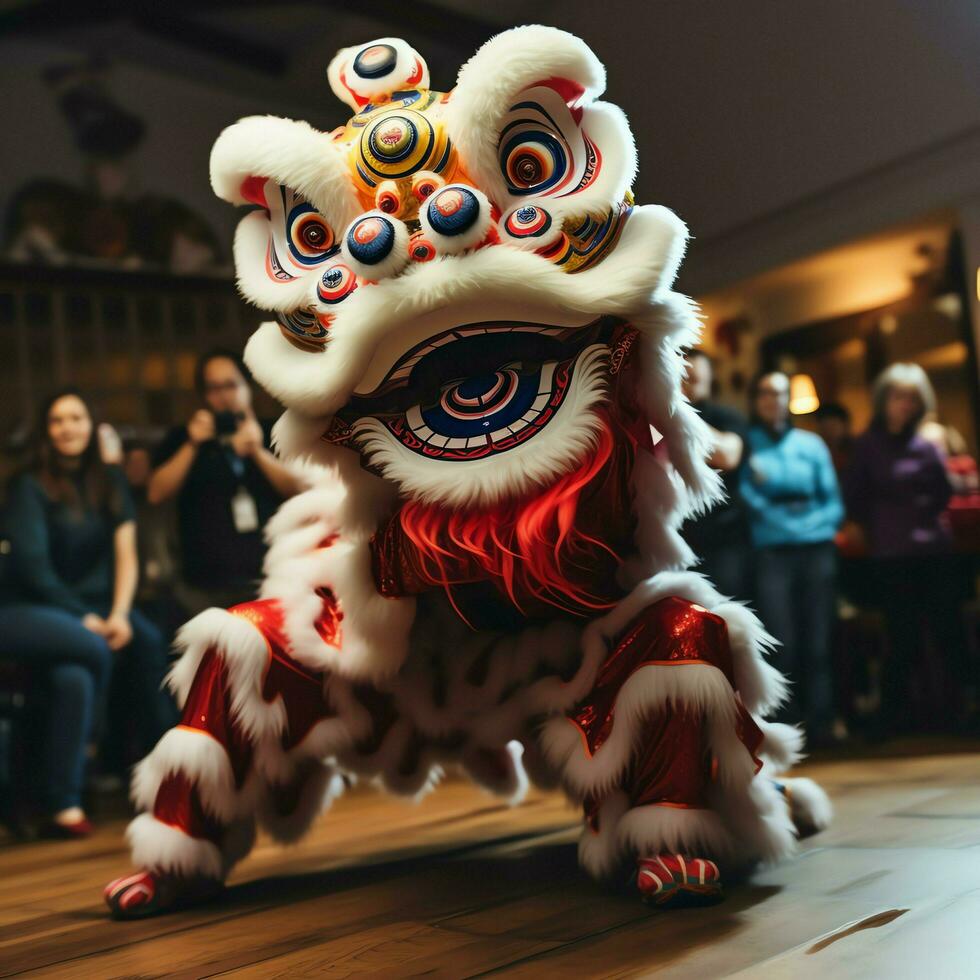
(450, 272)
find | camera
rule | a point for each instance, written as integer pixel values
(226, 423)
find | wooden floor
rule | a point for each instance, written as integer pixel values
(461, 886)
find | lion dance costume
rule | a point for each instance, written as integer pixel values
(479, 348)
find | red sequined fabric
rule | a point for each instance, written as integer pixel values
(671, 764)
(208, 710)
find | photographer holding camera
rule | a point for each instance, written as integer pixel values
(227, 483)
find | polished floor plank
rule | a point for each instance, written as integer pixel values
(462, 885)
(310, 884)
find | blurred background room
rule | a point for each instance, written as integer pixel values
(825, 158)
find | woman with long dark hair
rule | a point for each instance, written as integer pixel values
(67, 605)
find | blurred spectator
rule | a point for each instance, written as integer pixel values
(897, 489)
(154, 530)
(227, 484)
(68, 598)
(790, 489)
(720, 538)
(897, 485)
(963, 514)
(834, 427)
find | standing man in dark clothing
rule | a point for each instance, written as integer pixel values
(720, 538)
(227, 483)
(834, 427)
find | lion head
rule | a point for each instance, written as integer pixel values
(449, 272)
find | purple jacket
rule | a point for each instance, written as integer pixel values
(896, 486)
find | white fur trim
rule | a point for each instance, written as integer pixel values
(374, 630)
(757, 819)
(761, 686)
(703, 688)
(671, 323)
(199, 757)
(748, 820)
(490, 82)
(809, 804)
(376, 325)
(542, 459)
(296, 439)
(157, 846)
(782, 746)
(650, 830)
(647, 831)
(700, 690)
(250, 248)
(290, 153)
(245, 653)
(600, 853)
(343, 496)
(657, 491)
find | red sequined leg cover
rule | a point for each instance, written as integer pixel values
(255, 724)
(660, 744)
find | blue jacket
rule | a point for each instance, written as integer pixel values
(790, 488)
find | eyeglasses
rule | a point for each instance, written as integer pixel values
(217, 387)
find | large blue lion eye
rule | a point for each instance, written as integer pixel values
(483, 404)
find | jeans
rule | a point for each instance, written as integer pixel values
(796, 596)
(77, 665)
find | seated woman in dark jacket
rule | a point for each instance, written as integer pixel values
(68, 603)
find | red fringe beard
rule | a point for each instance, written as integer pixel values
(528, 547)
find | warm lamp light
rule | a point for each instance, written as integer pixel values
(802, 395)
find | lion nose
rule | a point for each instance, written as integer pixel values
(376, 246)
(455, 218)
(453, 211)
(371, 240)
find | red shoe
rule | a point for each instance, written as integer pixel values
(148, 893)
(671, 880)
(75, 830)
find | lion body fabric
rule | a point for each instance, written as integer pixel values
(478, 346)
